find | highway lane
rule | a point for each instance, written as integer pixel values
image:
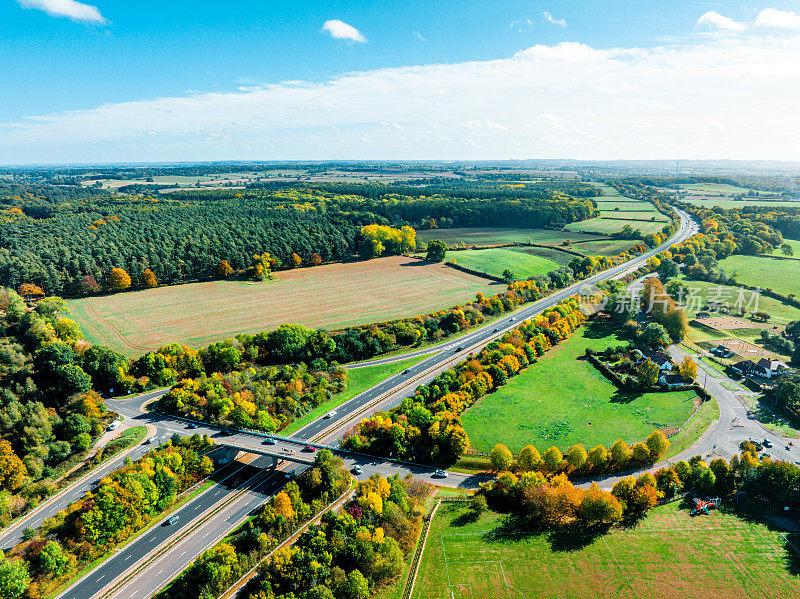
(252, 478)
(13, 534)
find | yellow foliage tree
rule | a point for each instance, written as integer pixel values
(118, 279)
(149, 279)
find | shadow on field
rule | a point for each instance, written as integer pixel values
(569, 537)
(620, 396)
(598, 328)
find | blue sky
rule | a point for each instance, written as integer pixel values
(221, 71)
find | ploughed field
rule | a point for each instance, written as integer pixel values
(330, 296)
(669, 554)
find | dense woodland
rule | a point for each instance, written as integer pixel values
(67, 240)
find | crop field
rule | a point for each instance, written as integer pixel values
(722, 189)
(496, 235)
(606, 247)
(495, 260)
(329, 296)
(562, 400)
(606, 225)
(669, 555)
(782, 276)
(710, 201)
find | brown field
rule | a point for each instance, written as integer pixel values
(746, 349)
(729, 323)
(330, 296)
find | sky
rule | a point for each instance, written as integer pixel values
(154, 81)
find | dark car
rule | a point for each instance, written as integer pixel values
(458, 349)
(171, 520)
(406, 371)
(767, 443)
(269, 441)
(192, 425)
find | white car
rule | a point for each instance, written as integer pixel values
(152, 439)
(113, 426)
(329, 415)
(358, 469)
(440, 474)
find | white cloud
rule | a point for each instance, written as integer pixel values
(342, 31)
(778, 19)
(714, 98)
(550, 19)
(713, 20)
(419, 36)
(76, 11)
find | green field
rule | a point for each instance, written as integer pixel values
(495, 260)
(782, 276)
(358, 381)
(722, 189)
(608, 247)
(701, 291)
(562, 400)
(329, 296)
(606, 226)
(497, 235)
(667, 555)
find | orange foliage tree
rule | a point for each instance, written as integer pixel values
(118, 279)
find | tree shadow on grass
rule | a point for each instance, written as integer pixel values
(569, 537)
(598, 328)
(623, 396)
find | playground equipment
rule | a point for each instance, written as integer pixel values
(702, 506)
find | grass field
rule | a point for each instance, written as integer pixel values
(562, 400)
(496, 235)
(782, 276)
(495, 260)
(358, 381)
(667, 555)
(703, 291)
(722, 189)
(608, 225)
(709, 201)
(606, 247)
(329, 296)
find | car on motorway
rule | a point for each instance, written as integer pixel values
(113, 426)
(406, 371)
(269, 441)
(458, 349)
(329, 415)
(511, 319)
(227, 432)
(287, 450)
(495, 329)
(358, 469)
(440, 474)
(152, 439)
(309, 448)
(767, 443)
(171, 520)
(192, 425)
(288, 475)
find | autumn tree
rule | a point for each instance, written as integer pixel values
(576, 457)
(647, 373)
(658, 444)
(316, 259)
(149, 279)
(620, 453)
(14, 577)
(552, 459)
(223, 270)
(598, 458)
(262, 266)
(529, 459)
(29, 291)
(501, 458)
(12, 471)
(599, 507)
(282, 505)
(295, 260)
(118, 279)
(687, 369)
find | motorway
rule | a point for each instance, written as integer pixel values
(165, 560)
